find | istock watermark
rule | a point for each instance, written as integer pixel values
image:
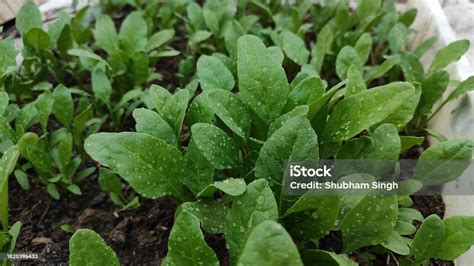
(383, 177)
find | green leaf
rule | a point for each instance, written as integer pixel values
(186, 244)
(198, 37)
(210, 212)
(256, 205)
(172, 108)
(28, 17)
(449, 54)
(312, 216)
(384, 144)
(109, 182)
(408, 17)
(412, 67)
(322, 47)
(397, 38)
(322, 257)
(355, 81)
(200, 171)
(195, 16)
(200, 111)
(397, 244)
(22, 179)
(53, 191)
(363, 46)
(294, 141)
(8, 163)
(85, 54)
(231, 110)
(159, 39)
(425, 46)
(464, 87)
(38, 157)
(444, 162)
(25, 117)
(262, 81)
(433, 88)
(65, 151)
(55, 30)
(44, 106)
(150, 122)
(230, 186)
(347, 56)
(270, 244)
(233, 33)
(277, 54)
(428, 238)
(366, 8)
(321, 103)
(7, 56)
(86, 247)
(305, 92)
(363, 110)
(294, 48)
(213, 74)
(105, 34)
(458, 237)
(370, 222)
(74, 189)
(15, 233)
(63, 107)
(378, 71)
(152, 167)
(133, 33)
(38, 39)
(301, 110)
(409, 141)
(139, 68)
(101, 86)
(406, 111)
(218, 148)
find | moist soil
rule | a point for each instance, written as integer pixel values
(140, 236)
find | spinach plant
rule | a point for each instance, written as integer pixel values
(8, 235)
(243, 137)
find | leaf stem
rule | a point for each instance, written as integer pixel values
(4, 207)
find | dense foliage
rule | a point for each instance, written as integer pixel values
(258, 83)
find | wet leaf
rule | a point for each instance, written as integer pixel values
(270, 244)
(213, 74)
(86, 247)
(262, 81)
(256, 205)
(186, 244)
(152, 167)
(218, 148)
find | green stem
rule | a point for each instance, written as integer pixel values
(436, 111)
(4, 207)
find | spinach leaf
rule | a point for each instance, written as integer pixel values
(213, 74)
(458, 237)
(262, 81)
(363, 110)
(428, 238)
(256, 205)
(370, 222)
(152, 167)
(214, 144)
(86, 247)
(270, 244)
(186, 244)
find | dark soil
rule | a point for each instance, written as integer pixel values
(138, 236)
